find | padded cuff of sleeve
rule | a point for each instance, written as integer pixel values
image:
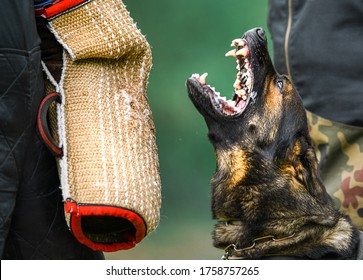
(125, 228)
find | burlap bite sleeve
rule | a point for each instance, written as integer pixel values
(109, 167)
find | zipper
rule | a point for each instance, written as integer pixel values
(287, 37)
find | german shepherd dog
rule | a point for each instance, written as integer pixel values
(267, 195)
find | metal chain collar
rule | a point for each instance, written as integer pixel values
(232, 249)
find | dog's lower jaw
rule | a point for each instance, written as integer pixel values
(312, 241)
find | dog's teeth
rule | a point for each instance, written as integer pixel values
(238, 42)
(234, 42)
(242, 43)
(237, 84)
(202, 78)
(249, 81)
(231, 53)
(243, 52)
(231, 103)
(241, 93)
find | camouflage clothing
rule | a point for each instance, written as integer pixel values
(360, 247)
(339, 149)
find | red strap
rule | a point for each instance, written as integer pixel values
(61, 7)
(43, 123)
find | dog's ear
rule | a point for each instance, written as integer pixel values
(306, 166)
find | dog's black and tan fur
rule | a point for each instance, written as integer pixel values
(266, 182)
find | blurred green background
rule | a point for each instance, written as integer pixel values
(187, 36)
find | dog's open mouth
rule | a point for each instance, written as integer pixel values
(243, 86)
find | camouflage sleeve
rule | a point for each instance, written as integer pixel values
(339, 149)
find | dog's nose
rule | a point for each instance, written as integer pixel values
(261, 33)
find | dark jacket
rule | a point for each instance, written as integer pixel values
(32, 223)
(320, 45)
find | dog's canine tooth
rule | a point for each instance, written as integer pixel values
(242, 52)
(231, 53)
(203, 78)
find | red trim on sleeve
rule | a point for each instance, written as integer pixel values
(60, 7)
(78, 211)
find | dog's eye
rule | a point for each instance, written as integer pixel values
(280, 84)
